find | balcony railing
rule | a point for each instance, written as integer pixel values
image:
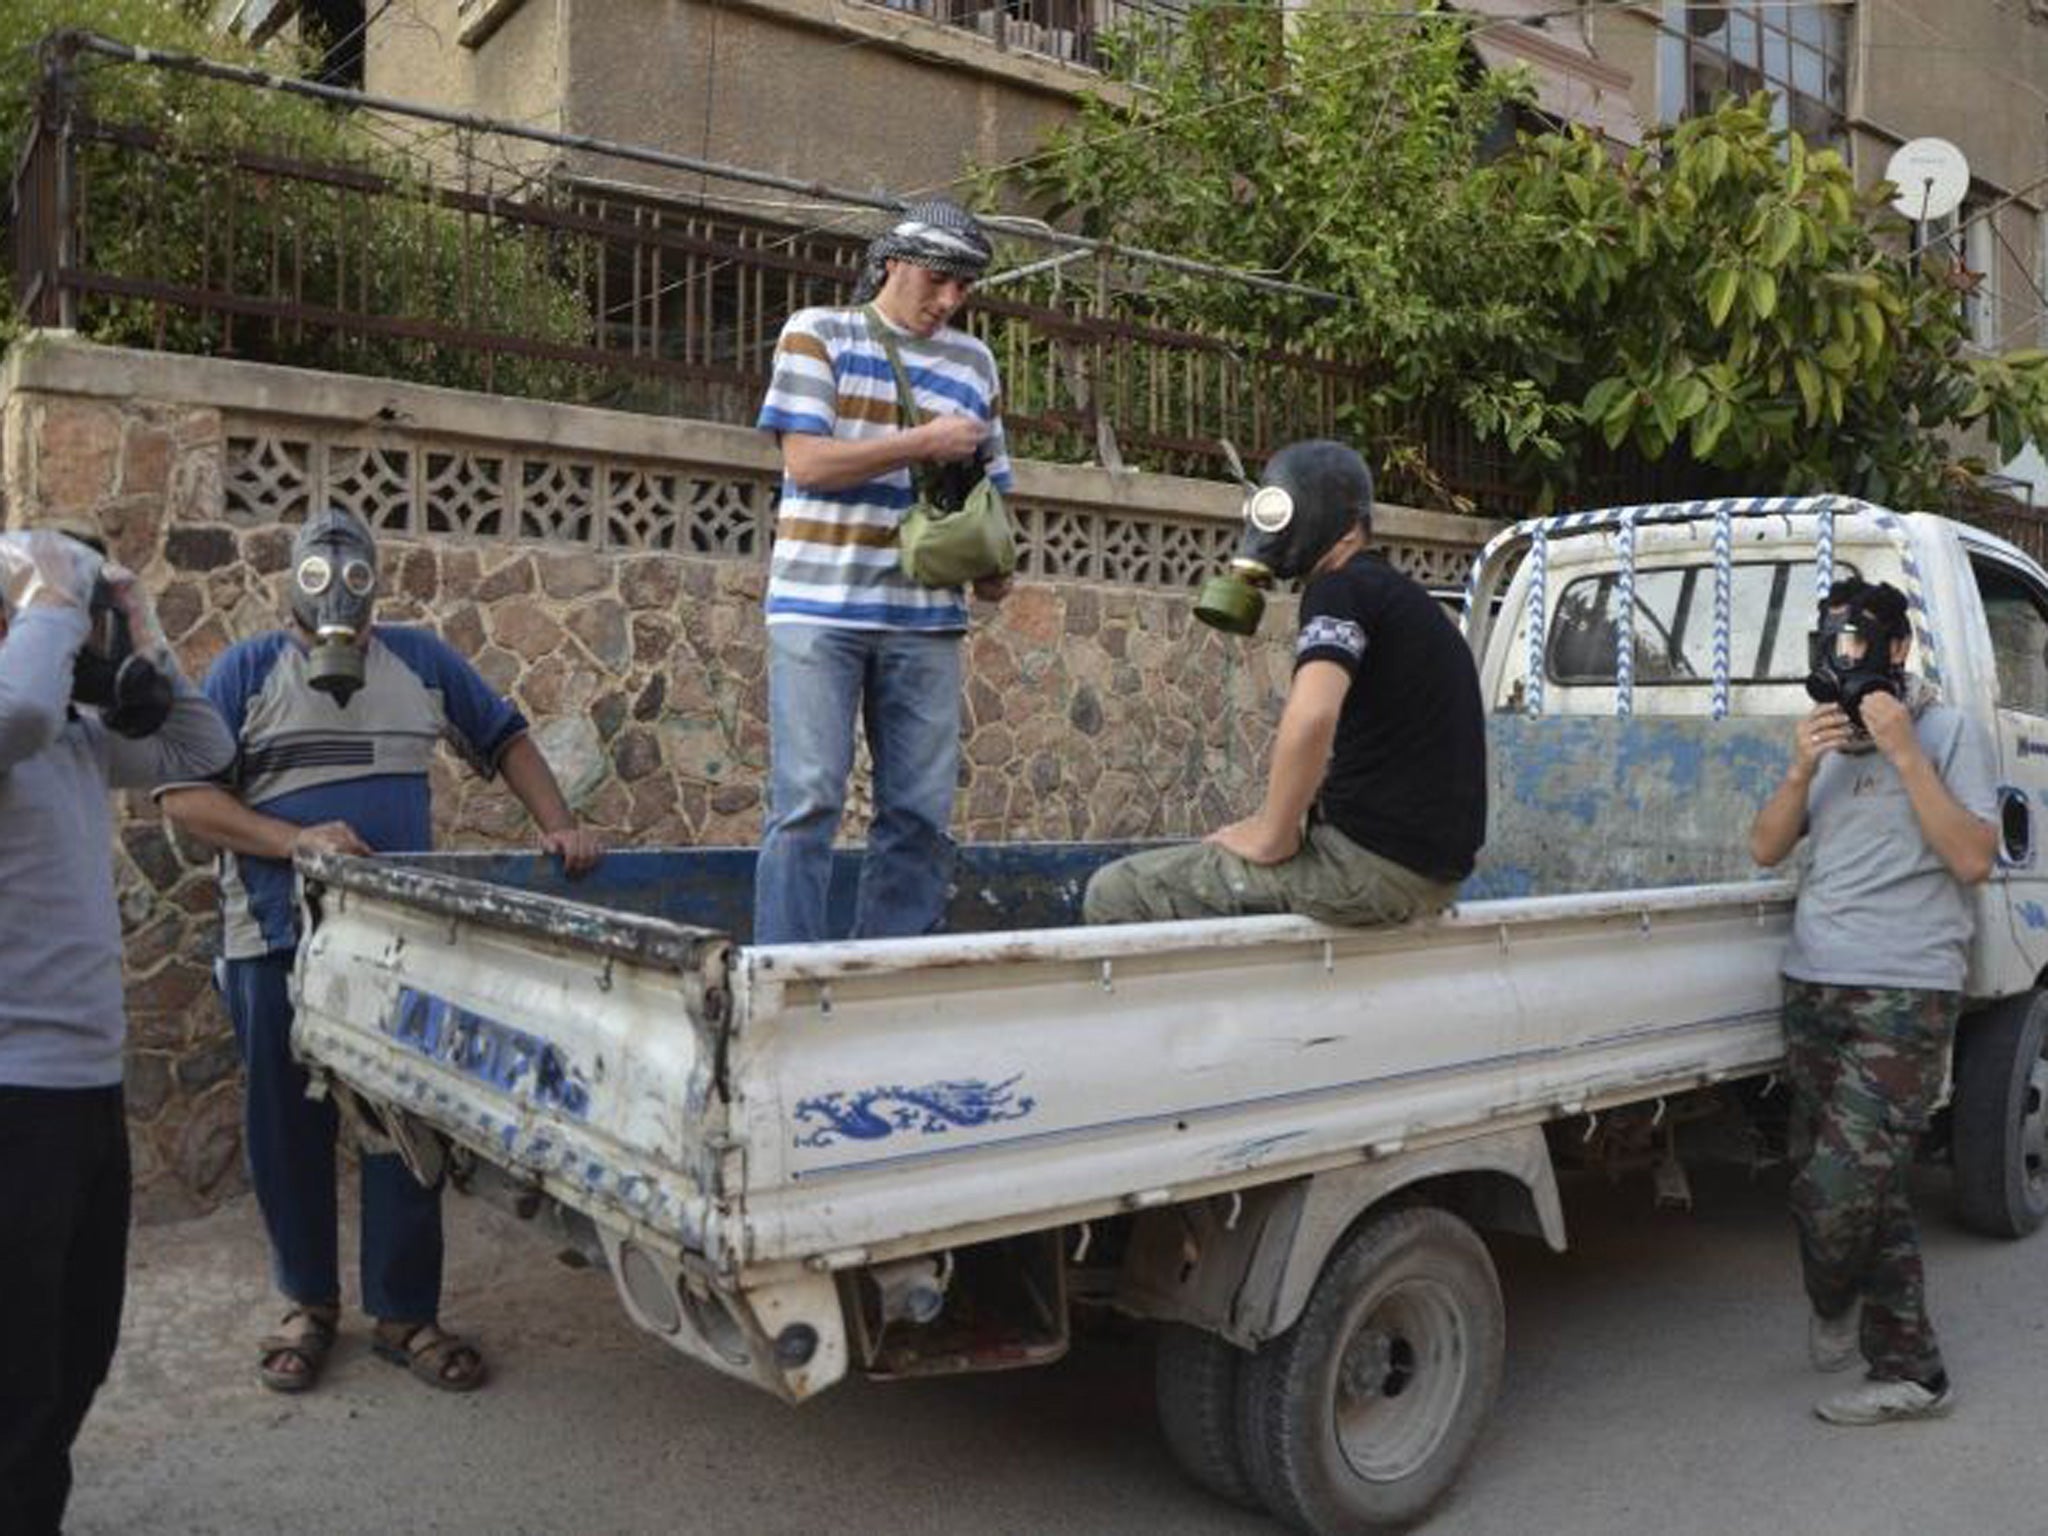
(1070, 31)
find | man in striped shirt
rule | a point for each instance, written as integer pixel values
(849, 632)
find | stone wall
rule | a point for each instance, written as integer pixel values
(606, 571)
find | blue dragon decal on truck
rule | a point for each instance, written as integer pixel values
(928, 1109)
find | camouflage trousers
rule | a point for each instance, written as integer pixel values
(1330, 878)
(1866, 1065)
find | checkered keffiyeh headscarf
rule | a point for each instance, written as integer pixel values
(940, 235)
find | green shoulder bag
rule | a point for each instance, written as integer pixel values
(942, 546)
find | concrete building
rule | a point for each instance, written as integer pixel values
(907, 94)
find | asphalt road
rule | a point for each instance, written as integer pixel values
(1655, 1381)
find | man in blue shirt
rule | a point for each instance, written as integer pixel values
(335, 724)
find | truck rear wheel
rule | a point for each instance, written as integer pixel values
(1998, 1128)
(1195, 1378)
(1361, 1415)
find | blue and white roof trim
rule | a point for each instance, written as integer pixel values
(1538, 532)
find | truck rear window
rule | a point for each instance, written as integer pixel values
(1771, 612)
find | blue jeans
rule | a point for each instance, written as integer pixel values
(290, 1141)
(905, 687)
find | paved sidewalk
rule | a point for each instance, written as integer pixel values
(1656, 1381)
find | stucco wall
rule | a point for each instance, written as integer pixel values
(1971, 74)
(412, 53)
(852, 94)
(606, 570)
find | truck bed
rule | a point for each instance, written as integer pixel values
(613, 1042)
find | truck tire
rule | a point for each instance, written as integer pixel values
(1195, 1380)
(1361, 1415)
(1998, 1128)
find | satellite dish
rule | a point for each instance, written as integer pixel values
(1932, 176)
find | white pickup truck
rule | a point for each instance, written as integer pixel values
(1277, 1139)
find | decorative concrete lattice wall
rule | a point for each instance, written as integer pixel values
(606, 571)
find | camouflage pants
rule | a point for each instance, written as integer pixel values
(1330, 878)
(1866, 1065)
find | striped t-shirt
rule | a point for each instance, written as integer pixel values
(835, 556)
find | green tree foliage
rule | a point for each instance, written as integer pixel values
(1723, 296)
(1326, 149)
(1732, 300)
(184, 215)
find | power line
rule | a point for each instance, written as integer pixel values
(822, 192)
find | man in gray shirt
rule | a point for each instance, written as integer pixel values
(1894, 794)
(63, 1139)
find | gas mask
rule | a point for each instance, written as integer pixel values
(1851, 654)
(1310, 496)
(131, 693)
(334, 590)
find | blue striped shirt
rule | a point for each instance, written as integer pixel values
(835, 558)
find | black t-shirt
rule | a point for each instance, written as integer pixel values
(1407, 775)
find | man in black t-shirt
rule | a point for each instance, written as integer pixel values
(1376, 796)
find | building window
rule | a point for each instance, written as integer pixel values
(476, 20)
(1798, 52)
(334, 27)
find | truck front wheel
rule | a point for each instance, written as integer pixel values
(1361, 1415)
(1999, 1124)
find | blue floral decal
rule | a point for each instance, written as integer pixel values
(874, 1114)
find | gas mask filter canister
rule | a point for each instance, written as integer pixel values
(1236, 601)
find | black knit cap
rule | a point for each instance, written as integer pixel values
(937, 234)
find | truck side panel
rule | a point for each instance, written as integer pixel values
(895, 1090)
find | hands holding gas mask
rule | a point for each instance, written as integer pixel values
(1886, 723)
(1890, 725)
(123, 667)
(1827, 729)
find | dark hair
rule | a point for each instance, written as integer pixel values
(1876, 605)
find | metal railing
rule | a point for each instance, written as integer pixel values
(1069, 31)
(577, 295)
(476, 276)
(574, 295)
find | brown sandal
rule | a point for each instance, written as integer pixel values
(291, 1359)
(443, 1360)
